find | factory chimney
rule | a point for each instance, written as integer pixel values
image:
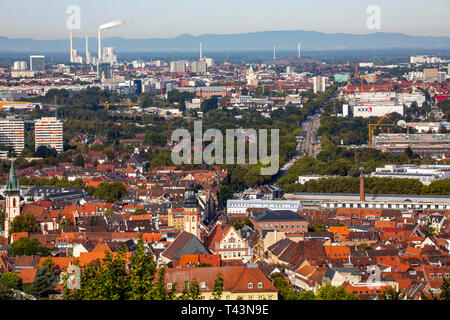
(201, 51)
(362, 191)
(88, 58)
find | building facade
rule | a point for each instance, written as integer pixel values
(12, 134)
(49, 133)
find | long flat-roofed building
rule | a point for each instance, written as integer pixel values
(12, 134)
(49, 133)
(424, 144)
(371, 201)
(241, 206)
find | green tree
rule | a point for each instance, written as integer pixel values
(28, 247)
(45, 152)
(445, 289)
(79, 161)
(142, 273)
(218, 287)
(44, 283)
(5, 293)
(110, 191)
(329, 292)
(24, 223)
(287, 292)
(11, 280)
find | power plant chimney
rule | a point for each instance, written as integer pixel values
(99, 58)
(362, 190)
(201, 51)
(299, 47)
(274, 53)
(88, 58)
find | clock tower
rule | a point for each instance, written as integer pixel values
(12, 195)
(192, 213)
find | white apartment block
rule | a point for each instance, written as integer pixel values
(49, 133)
(12, 134)
(424, 173)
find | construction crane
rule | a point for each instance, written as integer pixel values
(373, 126)
(128, 104)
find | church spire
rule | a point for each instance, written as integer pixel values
(12, 185)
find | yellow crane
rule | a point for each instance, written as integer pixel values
(128, 104)
(373, 126)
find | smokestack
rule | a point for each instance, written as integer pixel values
(274, 53)
(99, 46)
(88, 58)
(362, 191)
(299, 47)
(201, 51)
(71, 48)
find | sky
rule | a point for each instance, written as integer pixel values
(47, 19)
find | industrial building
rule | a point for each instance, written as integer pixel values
(241, 206)
(432, 145)
(424, 173)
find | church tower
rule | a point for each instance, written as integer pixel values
(192, 213)
(12, 195)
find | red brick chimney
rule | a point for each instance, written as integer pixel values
(362, 191)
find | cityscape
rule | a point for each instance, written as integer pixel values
(256, 165)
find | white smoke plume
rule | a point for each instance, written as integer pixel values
(111, 24)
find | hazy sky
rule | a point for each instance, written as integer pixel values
(46, 19)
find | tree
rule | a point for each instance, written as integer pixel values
(392, 294)
(110, 191)
(43, 283)
(45, 152)
(11, 280)
(28, 247)
(5, 293)
(79, 161)
(218, 287)
(287, 292)
(24, 223)
(329, 292)
(209, 104)
(142, 272)
(445, 289)
(226, 193)
(65, 222)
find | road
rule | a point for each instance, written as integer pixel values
(308, 142)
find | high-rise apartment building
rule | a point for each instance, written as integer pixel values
(37, 63)
(177, 66)
(319, 84)
(49, 133)
(12, 134)
(430, 75)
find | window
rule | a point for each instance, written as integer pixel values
(211, 297)
(203, 298)
(260, 297)
(432, 275)
(260, 285)
(439, 275)
(270, 297)
(250, 297)
(169, 286)
(203, 285)
(250, 285)
(228, 298)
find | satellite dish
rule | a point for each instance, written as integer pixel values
(401, 123)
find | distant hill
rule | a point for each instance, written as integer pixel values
(257, 41)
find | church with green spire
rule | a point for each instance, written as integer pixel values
(12, 184)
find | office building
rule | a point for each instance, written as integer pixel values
(441, 77)
(199, 67)
(104, 70)
(49, 133)
(429, 145)
(37, 63)
(177, 66)
(20, 65)
(12, 134)
(430, 75)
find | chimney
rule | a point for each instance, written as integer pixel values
(362, 191)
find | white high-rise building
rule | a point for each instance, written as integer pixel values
(20, 65)
(177, 66)
(319, 84)
(12, 134)
(49, 133)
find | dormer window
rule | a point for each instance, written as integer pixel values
(260, 285)
(169, 286)
(250, 285)
(203, 285)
